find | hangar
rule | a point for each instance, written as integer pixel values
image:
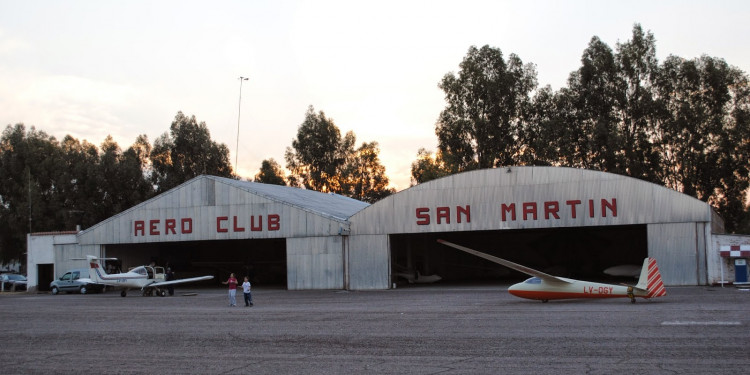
(570, 222)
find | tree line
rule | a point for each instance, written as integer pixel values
(684, 124)
(51, 185)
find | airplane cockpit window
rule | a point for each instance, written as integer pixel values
(140, 270)
(533, 280)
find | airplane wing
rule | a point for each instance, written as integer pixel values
(529, 271)
(180, 281)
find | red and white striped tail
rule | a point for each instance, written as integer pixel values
(655, 286)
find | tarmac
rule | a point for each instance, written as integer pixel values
(435, 329)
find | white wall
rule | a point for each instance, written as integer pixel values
(41, 250)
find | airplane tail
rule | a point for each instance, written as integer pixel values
(96, 272)
(94, 268)
(650, 280)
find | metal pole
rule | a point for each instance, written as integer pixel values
(239, 110)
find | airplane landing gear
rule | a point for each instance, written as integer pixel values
(631, 295)
(123, 293)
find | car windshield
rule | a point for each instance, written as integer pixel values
(17, 277)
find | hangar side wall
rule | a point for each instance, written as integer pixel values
(315, 263)
(679, 249)
(369, 262)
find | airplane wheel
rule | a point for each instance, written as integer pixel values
(123, 293)
(545, 300)
(163, 293)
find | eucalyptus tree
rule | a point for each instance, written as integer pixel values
(318, 153)
(428, 167)
(363, 176)
(187, 151)
(30, 165)
(270, 173)
(704, 135)
(486, 108)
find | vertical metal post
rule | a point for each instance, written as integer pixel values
(239, 110)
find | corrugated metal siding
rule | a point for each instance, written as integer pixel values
(485, 191)
(315, 263)
(204, 199)
(369, 262)
(675, 248)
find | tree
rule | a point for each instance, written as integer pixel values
(185, 152)
(638, 69)
(486, 106)
(363, 177)
(592, 97)
(30, 164)
(704, 136)
(120, 178)
(318, 154)
(427, 167)
(270, 173)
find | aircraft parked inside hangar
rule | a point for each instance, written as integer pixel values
(149, 279)
(544, 287)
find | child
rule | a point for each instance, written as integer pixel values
(246, 291)
(232, 282)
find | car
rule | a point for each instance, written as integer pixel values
(12, 282)
(72, 282)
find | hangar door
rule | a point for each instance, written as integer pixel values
(569, 252)
(264, 261)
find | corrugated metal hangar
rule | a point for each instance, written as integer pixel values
(569, 222)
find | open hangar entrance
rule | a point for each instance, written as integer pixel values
(582, 253)
(262, 260)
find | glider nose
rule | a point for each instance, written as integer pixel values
(514, 290)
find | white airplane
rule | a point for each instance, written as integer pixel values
(149, 279)
(544, 287)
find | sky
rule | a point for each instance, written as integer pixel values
(90, 69)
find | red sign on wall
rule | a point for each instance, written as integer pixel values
(224, 224)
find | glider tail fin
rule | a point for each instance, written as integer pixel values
(650, 280)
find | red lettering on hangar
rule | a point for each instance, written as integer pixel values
(553, 209)
(273, 223)
(442, 215)
(158, 227)
(548, 210)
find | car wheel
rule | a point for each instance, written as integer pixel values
(55, 290)
(83, 289)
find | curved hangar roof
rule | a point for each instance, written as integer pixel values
(215, 208)
(528, 197)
